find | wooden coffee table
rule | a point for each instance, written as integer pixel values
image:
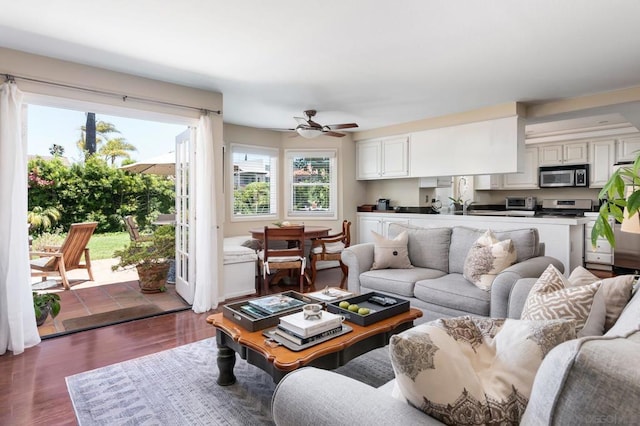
(278, 361)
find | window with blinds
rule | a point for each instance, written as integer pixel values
(254, 177)
(312, 183)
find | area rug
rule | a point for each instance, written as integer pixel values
(111, 317)
(178, 387)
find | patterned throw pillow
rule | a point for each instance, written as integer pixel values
(472, 371)
(552, 297)
(487, 258)
(391, 253)
(616, 291)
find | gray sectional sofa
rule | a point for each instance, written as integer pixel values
(590, 380)
(436, 284)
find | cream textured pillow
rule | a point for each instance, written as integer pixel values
(391, 253)
(616, 291)
(487, 258)
(470, 370)
(552, 297)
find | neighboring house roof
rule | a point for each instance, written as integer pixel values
(64, 160)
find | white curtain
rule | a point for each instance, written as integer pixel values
(18, 328)
(206, 233)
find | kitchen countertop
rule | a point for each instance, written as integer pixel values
(462, 218)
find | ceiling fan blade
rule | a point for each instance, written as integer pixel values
(342, 126)
(334, 134)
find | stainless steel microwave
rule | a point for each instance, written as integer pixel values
(576, 175)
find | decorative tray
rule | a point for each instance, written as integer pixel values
(248, 314)
(381, 306)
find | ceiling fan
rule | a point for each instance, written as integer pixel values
(307, 128)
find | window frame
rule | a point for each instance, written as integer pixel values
(289, 156)
(273, 154)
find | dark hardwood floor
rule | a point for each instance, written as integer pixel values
(34, 390)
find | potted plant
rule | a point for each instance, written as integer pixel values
(151, 259)
(458, 203)
(620, 198)
(45, 304)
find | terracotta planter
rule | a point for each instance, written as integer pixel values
(152, 278)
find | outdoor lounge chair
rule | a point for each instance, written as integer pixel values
(134, 231)
(60, 260)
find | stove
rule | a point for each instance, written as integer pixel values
(564, 208)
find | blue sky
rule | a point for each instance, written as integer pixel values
(47, 126)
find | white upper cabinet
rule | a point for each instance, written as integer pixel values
(487, 182)
(435, 182)
(528, 178)
(602, 154)
(567, 153)
(383, 158)
(628, 148)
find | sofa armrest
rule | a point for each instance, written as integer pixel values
(310, 396)
(504, 282)
(518, 296)
(358, 258)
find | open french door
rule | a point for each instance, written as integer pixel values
(185, 215)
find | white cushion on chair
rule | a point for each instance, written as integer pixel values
(336, 247)
(41, 261)
(277, 259)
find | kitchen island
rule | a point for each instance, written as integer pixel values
(563, 237)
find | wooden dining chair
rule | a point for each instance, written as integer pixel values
(60, 260)
(275, 257)
(330, 248)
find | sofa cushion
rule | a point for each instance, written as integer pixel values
(487, 258)
(453, 291)
(469, 371)
(629, 318)
(396, 281)
(525, 241)
(391, 253)
(616, 291)
(428, 247)
(551, 297)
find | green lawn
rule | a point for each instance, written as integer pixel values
(102, 246)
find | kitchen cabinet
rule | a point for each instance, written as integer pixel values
(602, 154)
(383, 158)
(487, 182)
(435, 182)
(628, 148)
(377, 224)
(559, 154)
(528, 178)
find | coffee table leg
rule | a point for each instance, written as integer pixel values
(226, 361)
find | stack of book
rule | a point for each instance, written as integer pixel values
(301, 331)
(265, 306)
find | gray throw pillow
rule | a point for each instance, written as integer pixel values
(428, 247)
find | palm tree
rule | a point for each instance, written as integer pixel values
(103, 130)
(43, 218)
(116, 148)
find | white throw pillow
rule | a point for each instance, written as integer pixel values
(471, 370)
(393, 253)
(552, 297)
(487, 258)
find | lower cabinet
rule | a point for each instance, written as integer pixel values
(599, 256)
(379, 225)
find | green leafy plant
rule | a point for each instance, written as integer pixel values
(620, 196)
(43, 300)
(160, 249)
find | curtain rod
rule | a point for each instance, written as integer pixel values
(12, 78)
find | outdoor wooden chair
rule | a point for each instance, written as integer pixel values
(274, 257)
(134, 231)
(330, 248)
(60, 260)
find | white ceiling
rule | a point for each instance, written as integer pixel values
(375, 62)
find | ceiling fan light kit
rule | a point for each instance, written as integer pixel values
(309, 129)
